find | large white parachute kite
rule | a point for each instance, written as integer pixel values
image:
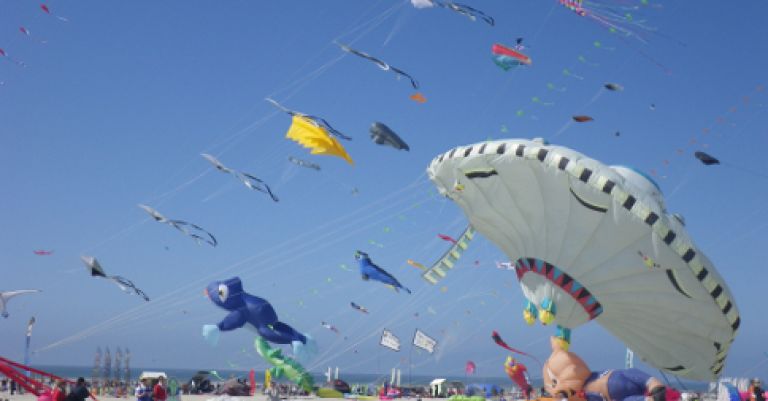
(590, 241)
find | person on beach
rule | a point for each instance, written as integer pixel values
(79, 392)
(158, 392)
(59, 391)
(756, 392)
(142, 391)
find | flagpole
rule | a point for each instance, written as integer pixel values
(410, 365)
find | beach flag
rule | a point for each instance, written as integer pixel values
(389, 340)
(27, 342)
(423, 341)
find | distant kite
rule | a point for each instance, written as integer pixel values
(313, 133)
(248, 180)
(359, 307)
(613, 87)
(384, 66)
(568, 73)
(706, 158)
(330, 327)
(507, 58)
(370, 271)
(3, 53)
(497, 339)
(465, 10)
(582, 119)
(416, 264)
(42, 252)
(304, 163)
(447, 238)
(470, 368)
(418, 98)
(95, 270)
(505, 266)
(383, 135)
(318, 121)
(47, 10)
(192, 230)
(6, 296)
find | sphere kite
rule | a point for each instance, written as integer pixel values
(580, 235)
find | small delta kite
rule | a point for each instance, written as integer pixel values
(94, 268)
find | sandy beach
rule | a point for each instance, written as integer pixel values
(258, 397)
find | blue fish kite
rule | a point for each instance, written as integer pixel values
(370, 271)
(251, 311)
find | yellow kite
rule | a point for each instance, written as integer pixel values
(312, 136)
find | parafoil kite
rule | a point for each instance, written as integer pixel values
(42, 252)
(384, 66)
(439, 269)
(358, 307)
(6, 296)
(248, 180)
(706, 158)
(192, 230)
(508, 58)
(369, 271)
(383, 135)
(573, 227)
(418, 98)
(95, 270)
(313, 133)
(304, 163)
(582, 119)
(613, 87)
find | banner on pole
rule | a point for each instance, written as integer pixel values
(389, 340)
(424, 341)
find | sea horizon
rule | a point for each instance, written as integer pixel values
(185, 374)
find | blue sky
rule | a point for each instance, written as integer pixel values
(115, 108)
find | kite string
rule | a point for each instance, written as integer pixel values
(284, 244)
